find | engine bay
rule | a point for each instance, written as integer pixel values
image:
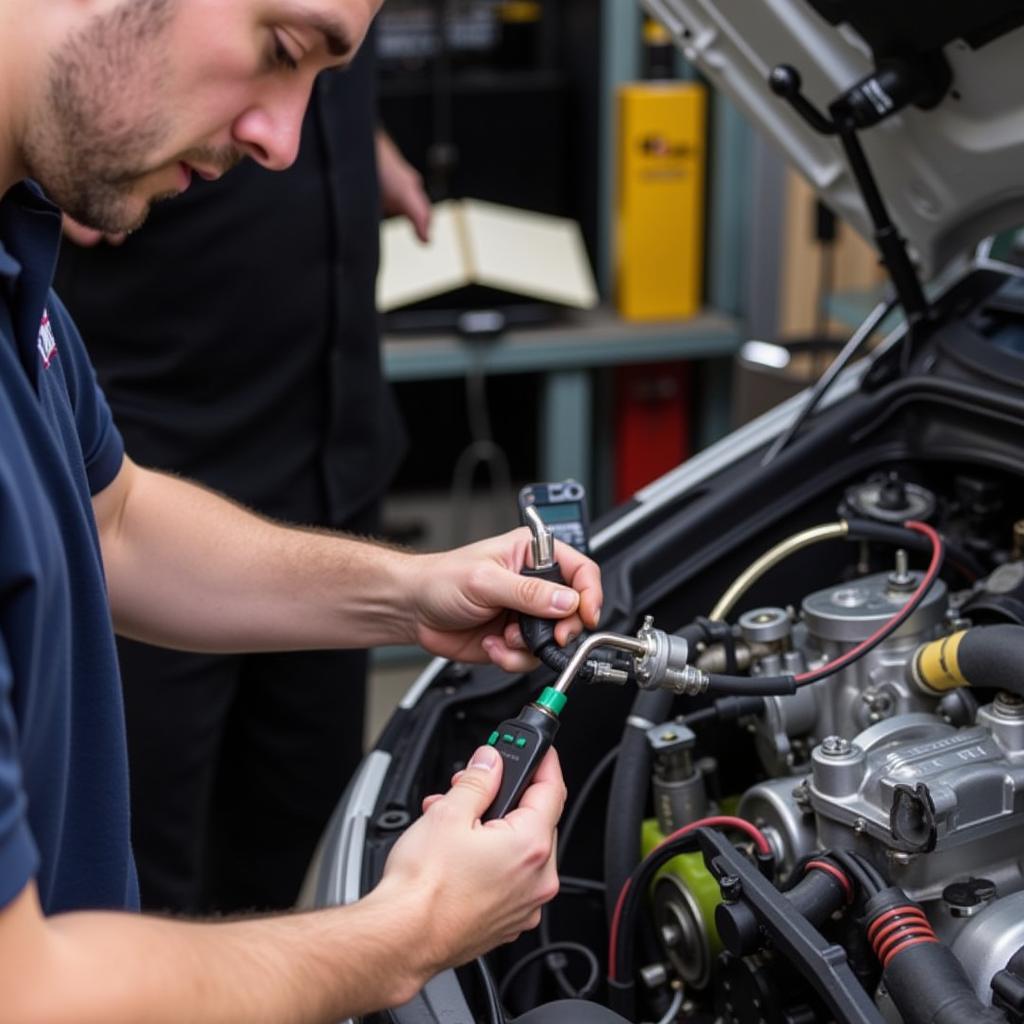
(764, 835)
(796, 766)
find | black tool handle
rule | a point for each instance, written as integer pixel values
(522, 742)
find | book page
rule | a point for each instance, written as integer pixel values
(528, 253)
(410, 270)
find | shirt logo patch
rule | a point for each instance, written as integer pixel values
(46, 342)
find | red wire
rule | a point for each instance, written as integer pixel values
(714, 821)
(891, 625)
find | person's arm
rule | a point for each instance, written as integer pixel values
(401, 186)
(187, 568)
(452, 888)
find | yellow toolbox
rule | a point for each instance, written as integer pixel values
(660, 222)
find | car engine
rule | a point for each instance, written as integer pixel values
(907, 762)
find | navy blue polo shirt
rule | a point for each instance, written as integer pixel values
(63, 767)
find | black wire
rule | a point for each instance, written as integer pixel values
(586, 790)
(854, 867)
(875, 875)
(588, 787)
(570, 883)
(587, 990)
(497, 1014)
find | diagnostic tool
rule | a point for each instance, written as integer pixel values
(522, 742)
(563, 510)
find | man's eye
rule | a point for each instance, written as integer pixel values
(282, 58)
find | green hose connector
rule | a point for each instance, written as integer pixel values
(552, 700)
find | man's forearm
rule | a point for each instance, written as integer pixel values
(122, 968)
(188, 568)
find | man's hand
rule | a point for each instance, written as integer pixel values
(401, 187)
(463, 600)
(88, 237)
(453, 887)
(477, 885)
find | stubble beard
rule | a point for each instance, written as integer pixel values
(102, 119)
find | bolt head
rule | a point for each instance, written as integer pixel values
(731, 887)
(654, 975)
(835, 746)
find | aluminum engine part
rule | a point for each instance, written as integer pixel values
(682, 930)
(987, 941)
(781, 810)
(765, 625)
(872, 689)
(929, 803)
(680, 792)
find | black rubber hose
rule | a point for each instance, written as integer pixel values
(627, 797)
(992, 656)
(752, 686)
(928, 984)
(539, 637)
(817, 896)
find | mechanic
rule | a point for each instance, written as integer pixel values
(106, 103)
(235, 338)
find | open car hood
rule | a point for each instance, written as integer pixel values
(951, 168)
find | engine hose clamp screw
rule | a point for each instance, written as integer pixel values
(654, 975)
(731, 888)
(860, 826)
(1009, 705)
(835, 746)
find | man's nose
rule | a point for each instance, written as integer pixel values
(269, 131)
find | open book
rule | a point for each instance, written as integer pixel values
(474, 242)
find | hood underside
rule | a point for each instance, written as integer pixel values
(950, 174)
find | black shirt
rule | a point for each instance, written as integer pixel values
(235, 334)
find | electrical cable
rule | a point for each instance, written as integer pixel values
(890, 627)
(579, 886)
(586, 990)
(482, 450)
(619, 960)
(673, 1008)
(854, 868)
(876, 876)
(586, 790)
(494, 1009)
(784, 684)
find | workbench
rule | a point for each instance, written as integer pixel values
(565, 356)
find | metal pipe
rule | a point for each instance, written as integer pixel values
(542, 546)
(630, 644)
(782, 550)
